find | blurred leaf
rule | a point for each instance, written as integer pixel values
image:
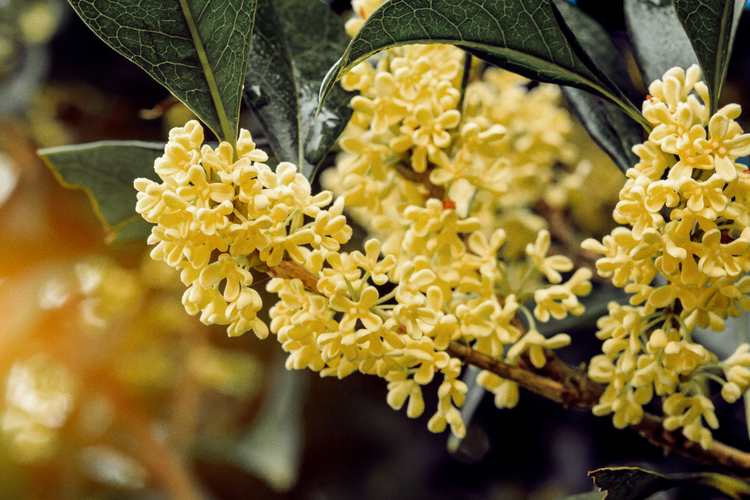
(614, 131)
(197, 49)
(592, 495)
(106, 171)
(522, 36)
(229, 371)
(658, 40)
(632, 483)
(294, 44)
(272, 448)
(709, 25)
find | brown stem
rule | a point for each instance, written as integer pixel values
(556, 381)
(570, 387)
(718, 455)
(289, 269)
(422, 178)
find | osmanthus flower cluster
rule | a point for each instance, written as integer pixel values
(219, 216)
(684, 255)
(384, 312)
(490, 147)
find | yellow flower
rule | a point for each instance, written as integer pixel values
(535, 343)
(360, 309)
(549, 266)
(727, 143)
(686, 411)
(399, 389)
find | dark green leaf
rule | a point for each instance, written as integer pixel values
(197, 49)
(520, 35)
(613, 130)
(632, 483)
(658, 40)
(600, 49)
(106, 171)
(294, 44)
(708, 24)
(607, 125)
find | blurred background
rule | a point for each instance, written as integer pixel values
(109, 390)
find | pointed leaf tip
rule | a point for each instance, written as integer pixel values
(197, 49)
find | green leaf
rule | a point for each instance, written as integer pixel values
(658, 40)
(106, 170)
(197, 49)
(614, 131)
(599, 48)
(520, 35)
(294, 44)
(607, 125)
(708, 24)
(632, 483)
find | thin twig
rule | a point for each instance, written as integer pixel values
(570, 387)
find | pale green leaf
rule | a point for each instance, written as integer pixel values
(632, 483)
(106, 171)
(294, 44)
(520, 35)
(197, 49)
(709, 25)
(659, 43)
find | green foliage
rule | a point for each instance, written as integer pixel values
(294, 44)
(271, 448)
(614, 131)
(520, 35)
(632, 483)
(709, 25)
(197, 49)
(106, 170)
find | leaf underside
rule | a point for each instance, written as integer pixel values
(609, 126)
(106, 170)
(659, 43)
(203, 67)
(294, 44)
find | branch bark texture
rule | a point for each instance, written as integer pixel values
(568, 386)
